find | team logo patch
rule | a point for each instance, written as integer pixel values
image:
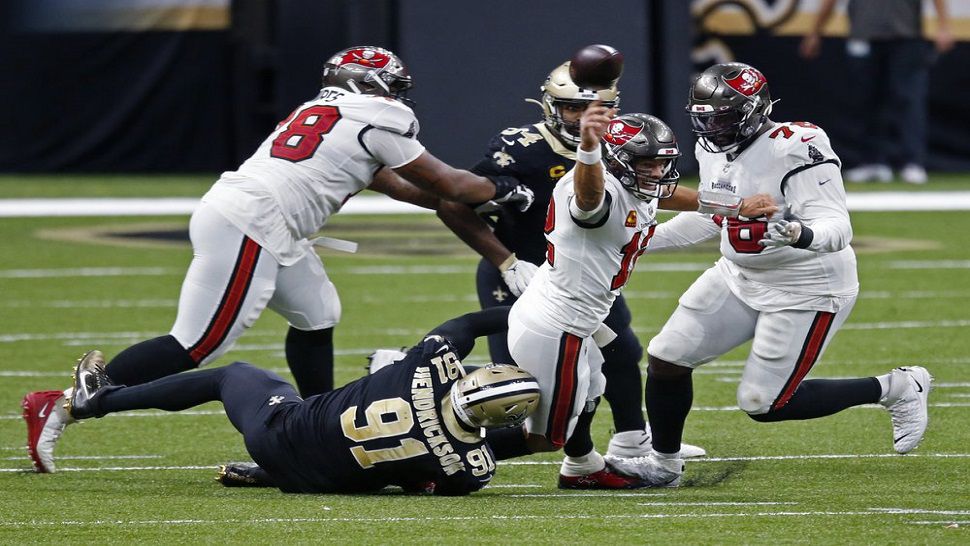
(631, 219)
(748, 82)
(620, 132)
(556, 172)
(365, 57)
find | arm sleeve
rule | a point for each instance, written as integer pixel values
(685, 229)
(391, 149)
(463, 330)
(816, 198)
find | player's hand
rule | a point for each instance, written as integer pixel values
(593, 123)
(781, 233)
(518, 274)
(381, 358)
(508, 191)
(758, 205)
(810, 46)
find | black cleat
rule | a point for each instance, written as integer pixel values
(90, 382)
(244, 475)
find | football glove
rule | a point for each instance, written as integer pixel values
(508, 191)
(785, 233)
(517, 274)
(382, 358)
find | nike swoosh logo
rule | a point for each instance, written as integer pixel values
(806, 139)
(919, 388)
(43, 411)
(824, 182)
(442, 348)
(507, 143)
(896, 440)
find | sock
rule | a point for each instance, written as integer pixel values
(590, 463)
(668, 403)
(309, 354)
(507, 443)
(580, 442)
(173, 393)
(148, 361)
(621, 367)
(820, 397)
(885, 381)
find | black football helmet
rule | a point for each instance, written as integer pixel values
(633, 142)
(558, 90)
(728, 103)
(368, 70)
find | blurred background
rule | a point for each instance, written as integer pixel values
(147, 86)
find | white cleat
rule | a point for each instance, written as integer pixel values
(906, 401)
(46, 418)
(653, 470)
(636, 443)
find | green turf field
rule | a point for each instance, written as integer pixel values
(71, 284)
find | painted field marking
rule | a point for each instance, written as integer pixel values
(89, 457)
(715, 503)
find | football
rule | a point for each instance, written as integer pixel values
(596, 66)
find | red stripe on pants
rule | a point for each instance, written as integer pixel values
(231, 302)
(565, 391)
(810, 352)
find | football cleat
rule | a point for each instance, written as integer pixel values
(906, 401)
(243, 475)
(636, 443)
(602, 479)
(46, 419)
(90, 382)
(652, 470)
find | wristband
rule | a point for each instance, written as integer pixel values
(589, 158)
(504, 266)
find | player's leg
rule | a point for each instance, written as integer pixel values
(708, 322)
(621, 366)
(307, 299)
(493, 292)
(227, 285)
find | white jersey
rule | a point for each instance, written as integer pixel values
(795, 164)
(587, 264)
(326, 151)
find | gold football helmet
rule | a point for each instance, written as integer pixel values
(497, 395)
(558, 90)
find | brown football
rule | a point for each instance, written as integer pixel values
(596, 66)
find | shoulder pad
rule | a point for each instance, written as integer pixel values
(380, 112)
(802, 143)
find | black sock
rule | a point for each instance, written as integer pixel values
(668, 402)
(581, 441)
(621, 367)
(309, 354)
(821, 397)
(148, 361)
(507, 443)
(173, 393)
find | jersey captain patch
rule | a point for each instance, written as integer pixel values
(631, 219)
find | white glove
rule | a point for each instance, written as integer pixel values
(520, 197)
(382, 358)
(517, 274)
(781, 233)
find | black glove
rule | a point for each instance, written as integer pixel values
(508, 191)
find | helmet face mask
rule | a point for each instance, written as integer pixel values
(495, 396)
(368, 70)
(728, 104)
(642, 153)
(559, 91)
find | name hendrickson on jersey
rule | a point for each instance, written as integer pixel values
(423, 400)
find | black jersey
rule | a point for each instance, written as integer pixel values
(536, 158)
(387, 429)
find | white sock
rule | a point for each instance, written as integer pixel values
(885, 381)
(590, 463)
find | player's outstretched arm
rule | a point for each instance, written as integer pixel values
(386, 181)
(435, 176)
(588, 185)
(462, 331)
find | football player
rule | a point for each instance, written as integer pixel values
(787, 283)
(250, 234)
(417, 424)
(539, 155)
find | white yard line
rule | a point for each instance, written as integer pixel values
(89, 457)
(875, 512)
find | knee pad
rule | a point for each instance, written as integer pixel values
(754, 400)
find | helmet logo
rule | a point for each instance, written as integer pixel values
(748, 82)
(620, 132)
(365, 57)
